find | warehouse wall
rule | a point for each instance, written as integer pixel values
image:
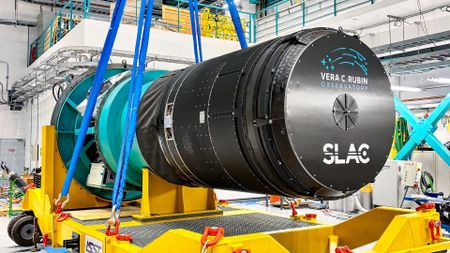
(14, 52)
(14, 48)
(36, 113)
(91, 33)
(11, 124)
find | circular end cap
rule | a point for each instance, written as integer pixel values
(339, 113)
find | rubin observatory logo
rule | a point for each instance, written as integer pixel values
(333, 75)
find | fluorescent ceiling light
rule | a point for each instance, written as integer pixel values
(439, 80)
(405, 88)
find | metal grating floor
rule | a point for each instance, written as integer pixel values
(227, 208)
(99, 221)
(234, 225)
(129, 218)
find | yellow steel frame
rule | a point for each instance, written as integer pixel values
(393, 230)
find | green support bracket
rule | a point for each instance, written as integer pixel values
(42, 44)
(59, 27)
(51, 32)
(276, 20)
(70, 14)
(335, 7)
(303, 13)
(13, 191)
(254, 27)
(423, 130)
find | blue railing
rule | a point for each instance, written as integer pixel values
(64, 21)
(280, 18)
(283, 17)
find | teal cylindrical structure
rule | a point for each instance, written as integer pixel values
(105, 134)
(111, 124)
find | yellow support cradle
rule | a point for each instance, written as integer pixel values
(390, 230)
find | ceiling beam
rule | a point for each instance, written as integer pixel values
(18, 23)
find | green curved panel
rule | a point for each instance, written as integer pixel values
(67, 121)
(111, 127)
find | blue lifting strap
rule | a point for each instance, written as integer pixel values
(199, 32)
(237, 23)
(134, 97)
(195, 30)
(95, 90)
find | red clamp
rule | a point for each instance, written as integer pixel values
(217, 232)
(115, 232)
(45, 239)
(294, 212)
(223, 201)
(310, 215)
(425, 206)
(125, 237)
(62, 216)
(242, 251)
(343, 249)
(435, 229)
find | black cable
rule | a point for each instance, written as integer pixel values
(60, 90)
(56, 92)
(53, 92)
(404, 196)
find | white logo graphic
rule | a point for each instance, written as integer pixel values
(93, 245)
(360, 155)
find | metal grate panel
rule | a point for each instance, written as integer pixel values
(227, 208)
(234, 225)
(99, 221)
(414, 42)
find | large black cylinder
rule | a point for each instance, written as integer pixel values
(309, 114)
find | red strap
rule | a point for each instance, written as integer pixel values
(217, 232)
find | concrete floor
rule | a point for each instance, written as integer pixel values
(6, 244)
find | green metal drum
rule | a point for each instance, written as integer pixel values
(111, 125)
(105, 134)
